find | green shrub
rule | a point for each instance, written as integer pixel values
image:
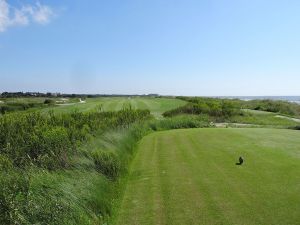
(295, 128)
(208, 106)
(282, 107)
(230, 107)
(54, 148)
(18, 106)
(5, 163)
(47, 142)
(47, 139)
(179, 122)
(49, 101)
(107, 163)
(14, 192)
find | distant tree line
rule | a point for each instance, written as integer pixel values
(62, 95)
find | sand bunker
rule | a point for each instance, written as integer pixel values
(66, 104)
(288, 118)
(81, 101)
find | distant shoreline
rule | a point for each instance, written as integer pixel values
(294, 99)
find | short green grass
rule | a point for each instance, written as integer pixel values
(190, 177)
(156, 105)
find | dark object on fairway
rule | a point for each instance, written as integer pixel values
(241, 161)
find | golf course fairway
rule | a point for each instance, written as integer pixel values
(190, 176)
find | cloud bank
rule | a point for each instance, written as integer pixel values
(11, 16)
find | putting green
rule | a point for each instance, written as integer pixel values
(190, 177)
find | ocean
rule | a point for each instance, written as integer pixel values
(295, 99)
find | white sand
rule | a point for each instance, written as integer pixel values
(62, 103)
(80, 101)
(66, 104)
(288, 118)
(237, 125)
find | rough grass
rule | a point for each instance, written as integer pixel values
(190, 177)
(83, 196)
(264, 119)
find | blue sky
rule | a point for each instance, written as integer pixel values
(186, 47)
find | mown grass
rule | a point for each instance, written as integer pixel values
(190, 177)
(156, 105)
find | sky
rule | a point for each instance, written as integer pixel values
(170, 47)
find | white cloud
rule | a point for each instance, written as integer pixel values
(43, 14)
(4, 15)
(20, 18)
(37, 13)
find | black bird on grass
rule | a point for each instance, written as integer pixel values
(241, 161)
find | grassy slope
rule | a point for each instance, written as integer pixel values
(155, 105)
(265, 119)
(268, 120)
(190, 177)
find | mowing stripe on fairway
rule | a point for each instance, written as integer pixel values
(190, 177)
(156, 105)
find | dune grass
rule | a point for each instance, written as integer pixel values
(190, 177)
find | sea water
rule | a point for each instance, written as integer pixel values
(295, 99)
